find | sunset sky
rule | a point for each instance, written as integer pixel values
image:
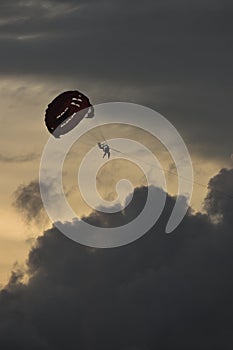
(174, 56)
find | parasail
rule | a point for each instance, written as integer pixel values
(66, 111)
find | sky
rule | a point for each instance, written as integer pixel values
(175, 57)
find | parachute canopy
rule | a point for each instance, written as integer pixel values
(66, 111)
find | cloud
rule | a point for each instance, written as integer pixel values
(162, 38)
(27, 201)
(18, 159)
(162, 291)
(219, 200)
(174, 56)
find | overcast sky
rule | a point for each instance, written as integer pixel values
(174, 56)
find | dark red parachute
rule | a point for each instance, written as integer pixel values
(66, 111)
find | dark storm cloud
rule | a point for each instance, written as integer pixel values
(160, 292)
(216, 203)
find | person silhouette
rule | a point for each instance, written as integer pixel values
(105, 148)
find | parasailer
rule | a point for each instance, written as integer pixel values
(66, 111)
(105, 148)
